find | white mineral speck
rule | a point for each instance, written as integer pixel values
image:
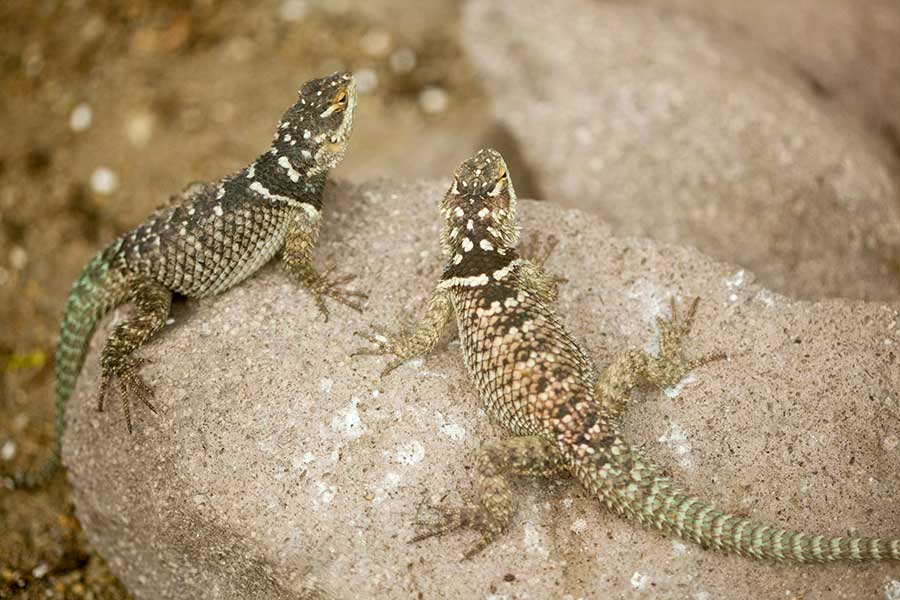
(81, 117)
(434, 100)
(411, 453)
(104, 180)
(676, 439)
(292, 10)
(534, 542)
(679, 547)
(366, 80)
(325, 385)
(890, 442)
(402, 60)
(348, 421)
(892, 590)
(8, 450)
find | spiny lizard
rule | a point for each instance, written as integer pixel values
(536, 380)
(210, 237)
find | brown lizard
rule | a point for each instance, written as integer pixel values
(538, 382)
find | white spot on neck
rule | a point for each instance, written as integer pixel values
(473, 281)
(486, 245)
(284, 162)
(467, 244)
(459, 211)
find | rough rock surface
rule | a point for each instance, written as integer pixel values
(277, 460)
(654, 123)
(848, 48)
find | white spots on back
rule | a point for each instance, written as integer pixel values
(454, 232)
(347, 421)
(483, 213)
(306, 134)
(251, 171)
(473, 281)
(220, 192)
(287, 137)
(467, 244)
(458, 211)
(677, 440)
(285, 163)
(305, 153)
(217, 209)
(470, 225)
(457, 258)
(486, 245)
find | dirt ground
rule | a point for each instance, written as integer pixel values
(109, 106)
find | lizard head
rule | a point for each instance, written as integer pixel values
(480, 207)
(314, 132)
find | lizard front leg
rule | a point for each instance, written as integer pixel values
(491, 514)
(635, 367)
(152, 302)
(421, 341)
(297, 258)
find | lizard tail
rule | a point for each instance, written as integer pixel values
(635, 488)
(98, 289)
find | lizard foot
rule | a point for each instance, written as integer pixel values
(331, 288)
(385, 346)
(672, 333)
(468, 516)
(130, 383)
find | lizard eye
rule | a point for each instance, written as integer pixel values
(340, 99)
(501, 171)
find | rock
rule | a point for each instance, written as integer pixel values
(847, 49)
(278, 461)
(652, 122)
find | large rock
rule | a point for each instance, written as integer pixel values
(650, 121)
(848, 49)
(277, 461)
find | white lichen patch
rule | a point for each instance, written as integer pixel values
(389, 484)
(676, 439)
(324, 494)
(679, 547)
(579, 526)
(325, 385)
(892, 590)
(410, 453)
(766, 297)
(534, 541)
(639, 580)
(736, 281)
(455, 432)
(675, 390)
(348, 422)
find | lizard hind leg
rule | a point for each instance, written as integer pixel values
(152, 302)
(491, 514)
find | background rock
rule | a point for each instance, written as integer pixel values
(278, 461)
(847, 49)
(657, 125)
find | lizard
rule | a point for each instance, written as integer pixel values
(563, 416)
(206, 239)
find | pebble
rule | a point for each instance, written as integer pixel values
(376, 43)
(8, 450)
(292, 10)
(104, 180)
(402, 60)
(366, 80)
(139, 128)
(434, 100)
(81, 117)
(18, 258)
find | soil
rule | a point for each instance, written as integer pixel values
(107, 108)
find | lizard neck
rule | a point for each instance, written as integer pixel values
(280, 176)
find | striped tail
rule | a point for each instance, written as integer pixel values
(98, 289)
(634, 487)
